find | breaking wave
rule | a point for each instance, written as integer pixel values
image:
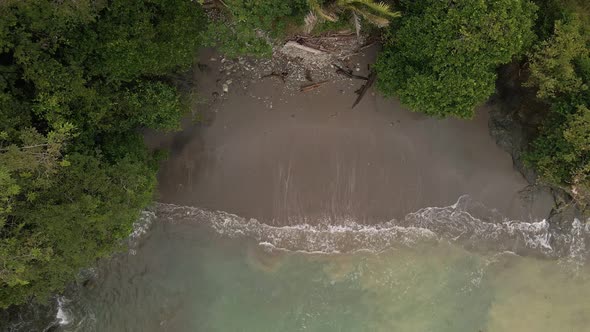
(466, 223)
(140, 228)
(62, 316)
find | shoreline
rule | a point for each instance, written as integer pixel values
(282, 156)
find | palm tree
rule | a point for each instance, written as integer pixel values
(377, 13)
(316, 9)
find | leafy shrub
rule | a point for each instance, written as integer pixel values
(554, 63)
(249, 26)
(441, 58)
(559, 68)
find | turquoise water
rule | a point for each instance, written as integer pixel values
(184, 276)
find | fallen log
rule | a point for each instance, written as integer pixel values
(367, 45)
(309, 87)
(348, 73)
(363, 90)
(295, 45)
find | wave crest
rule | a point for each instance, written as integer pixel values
(466, 223)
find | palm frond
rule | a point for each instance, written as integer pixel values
(357, 24)
(315, 6)
(311, 21)
(378, 8)
(372, 18)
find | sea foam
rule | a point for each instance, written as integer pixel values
(457, 223)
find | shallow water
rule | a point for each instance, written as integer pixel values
(196, 270)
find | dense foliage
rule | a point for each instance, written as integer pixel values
(247, 27)
(559, 68)
(377, 13)
(78, 78)
(244, 27)
(441, 58)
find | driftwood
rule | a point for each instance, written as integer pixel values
(316, 46)
(361, 49)
(323, 43)
(363, 90)
(309, 87)
(328, 36)
(296, 45)
(367, 45)
(348, 73)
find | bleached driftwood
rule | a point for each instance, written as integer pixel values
(294, 47)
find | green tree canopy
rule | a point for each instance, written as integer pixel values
(555, 65)
(77, 79)
(559, 68)
(247, 27)
(441, 58)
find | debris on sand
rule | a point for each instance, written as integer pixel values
(321, 51)
(309, 87)
(282, 76)
(293, 48)
(363, 90)
(307, 55)
(348, 73)
(302, 59)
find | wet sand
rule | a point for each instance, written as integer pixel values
(283, 156)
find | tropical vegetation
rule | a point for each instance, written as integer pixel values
(81, 79)
(559, 70)
(441, 59)
(376, 13)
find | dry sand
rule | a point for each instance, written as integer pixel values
(282, 156)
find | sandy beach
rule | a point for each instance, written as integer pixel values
(286, 157)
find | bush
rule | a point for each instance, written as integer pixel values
(561, 152)
(559, 68)
(249, 26)
(554, 63)
(441, 59)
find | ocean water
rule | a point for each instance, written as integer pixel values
(439, 269)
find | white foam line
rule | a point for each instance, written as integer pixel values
(62, 316)
(453, 223)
